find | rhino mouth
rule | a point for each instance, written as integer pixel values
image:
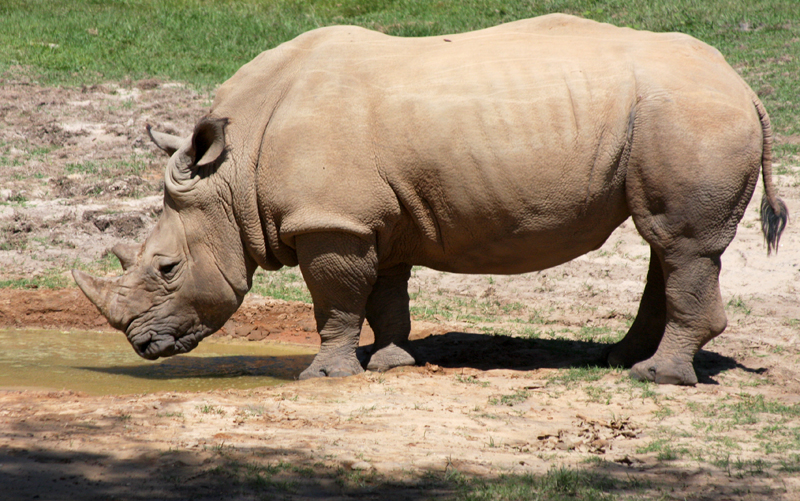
(152, 345)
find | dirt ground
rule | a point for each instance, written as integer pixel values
(505, 383)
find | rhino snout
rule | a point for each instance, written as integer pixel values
(152, 345)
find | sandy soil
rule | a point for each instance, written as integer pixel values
(505, 382)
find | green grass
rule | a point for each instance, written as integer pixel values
(599, 334)
(59, 278)
(286, 284)
(50, 279)
(205, 41)
(210, 409)
(741, 468)
(737, 304)
(746, 409)
(791, 464)
(518, 397)
(452, 308)
(731, 426)
(136, 166)
(257, 478)
(573, 375)
(664, 449)
(558, 484)
(471, 380)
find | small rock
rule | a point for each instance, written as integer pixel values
(388, 467)
(361, 466)
(626, 460)
(243, 330)
(566, 445)
(256, 335)
(474, 469)
(432, 367)
(517, 443)
(431, 464)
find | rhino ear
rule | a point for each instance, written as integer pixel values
(166, 142)
(208, 140)
(205, 148)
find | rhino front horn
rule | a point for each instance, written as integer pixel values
(126, 253)
(100, 292)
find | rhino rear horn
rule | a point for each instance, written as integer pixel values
(126, 253)
(100, 292)
(166, 142)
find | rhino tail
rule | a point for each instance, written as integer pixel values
(774, 214)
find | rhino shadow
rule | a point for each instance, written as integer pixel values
(710, 363)
(486, 352)
(450, 350)
(279, 367)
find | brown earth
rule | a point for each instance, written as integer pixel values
(505, 382)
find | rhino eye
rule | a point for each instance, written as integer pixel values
(168, 269)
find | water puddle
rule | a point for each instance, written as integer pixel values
(105, 364)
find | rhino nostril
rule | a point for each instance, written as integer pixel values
(142, 346)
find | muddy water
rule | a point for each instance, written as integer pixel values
(104, 364)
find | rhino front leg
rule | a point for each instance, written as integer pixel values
(339, 269)
(645, 334)
(388, 315)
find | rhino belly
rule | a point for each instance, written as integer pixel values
(522, 244)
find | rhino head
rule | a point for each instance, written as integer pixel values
(192, 272)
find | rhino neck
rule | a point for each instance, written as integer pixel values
(244, 198)
(247, 133)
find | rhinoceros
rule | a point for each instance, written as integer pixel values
(357, 155)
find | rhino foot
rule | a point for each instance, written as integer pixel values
(665, 371)
(332, 368)
(389, 357)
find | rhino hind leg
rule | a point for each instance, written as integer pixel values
(692, 169)
(644, 336)
(696, 315)
(339, 270)
(694, 311)
(388, 315)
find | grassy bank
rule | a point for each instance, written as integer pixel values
(204, 41)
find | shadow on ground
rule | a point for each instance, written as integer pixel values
(280, 367)
(486, 352)
(244, 474)
(708, 364)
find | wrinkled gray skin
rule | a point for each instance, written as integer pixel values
(508, 150)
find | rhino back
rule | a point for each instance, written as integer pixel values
(492, 151)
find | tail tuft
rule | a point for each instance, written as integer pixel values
(773, 222)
